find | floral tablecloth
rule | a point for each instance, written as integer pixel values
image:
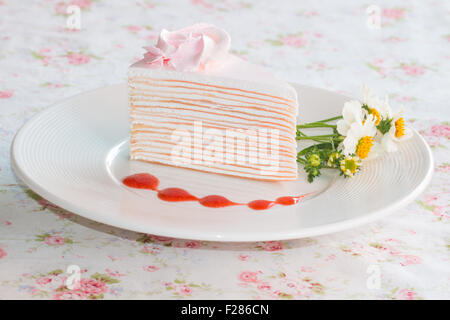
(401, 48)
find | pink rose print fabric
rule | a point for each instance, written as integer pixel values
(327, 45)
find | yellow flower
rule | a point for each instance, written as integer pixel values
(399, 128)
(379, 108)
(364, 146)
(350, 165)
(397, 133)
(360, 138)
(376, 114)
(314, 160)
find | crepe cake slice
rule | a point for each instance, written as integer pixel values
(193, 104)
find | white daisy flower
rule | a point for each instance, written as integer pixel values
(360, 139)
(368, 97)
(380, 109)
(398, 132)
(351, 113)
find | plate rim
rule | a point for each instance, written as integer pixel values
(333, 227)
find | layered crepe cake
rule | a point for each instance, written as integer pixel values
(195, 105)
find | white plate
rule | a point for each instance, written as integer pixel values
(75, 154)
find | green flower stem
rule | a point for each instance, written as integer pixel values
(318, 137)
(316, 140)
(301, 133)
(324, 145)
(321, 122)
(315, 125)
(331, 119)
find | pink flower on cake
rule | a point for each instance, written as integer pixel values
(188, 49)
(294, 41)
(2, 253)
(78, 58)
(249, 276)
(6, 94)
(54, 240)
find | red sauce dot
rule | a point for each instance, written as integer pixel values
(141, 181)
(287, 201)
(261, 204)
(215, 201)
(175, 195)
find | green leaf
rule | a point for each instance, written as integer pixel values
(426, 206)
(41, 237)
(315, 146)
(385, 125)
(285, 295)
(104, 278)
(373, 67)
(366, 107)
(99, 296)
(37, 55)
(144, 238)
(55, 272)
(33, 195)
(274, 42)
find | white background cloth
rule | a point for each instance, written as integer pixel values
(326, 44)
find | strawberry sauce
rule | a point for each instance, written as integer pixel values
(148, 181)
(176, 195)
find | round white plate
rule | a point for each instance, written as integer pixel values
(75, 154)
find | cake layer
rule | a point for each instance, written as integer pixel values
(261, 86)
